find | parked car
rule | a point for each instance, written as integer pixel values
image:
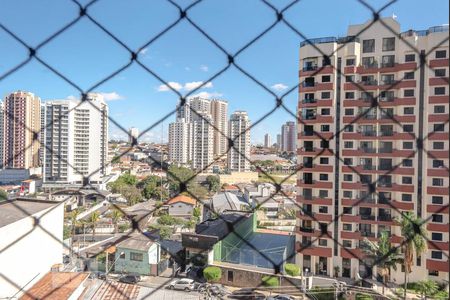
(130, 278)
(281, 297)
(247, 294)
(182, 284)
(213, 289)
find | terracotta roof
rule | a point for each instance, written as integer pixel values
(182, 198)
(230, 187)
(55, 286)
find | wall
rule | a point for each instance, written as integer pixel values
(238, 177)
(143, 267)
(180, 209)
(27, 254)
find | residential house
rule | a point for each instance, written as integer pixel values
(181, 206)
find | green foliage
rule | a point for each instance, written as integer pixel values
(427, 288)
(292, 269)
(212, 274)
(3, 195)
(164, 231)
(363, 297)
(67, 232)
(101, 257)
(169, 220)
(116, 159)
(196, 213)
(270, 281)
(180, 174)
(124, 227)
(441, 295)
(213, 183)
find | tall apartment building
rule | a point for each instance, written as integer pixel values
(133, 134)
(22, 125)
(219, 113)
(381, 146)
(239, 155)
(41, 135)
(180, 142)
(76, 139)
(288, 137)
(279, 141)
(2, 120)
(267, 141)
(202, 141)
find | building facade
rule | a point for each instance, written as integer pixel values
(219, 113)
(22, 124)
(239, 131)
(267, 141)
(380, 173)
(76, 140)
(288, 137)
(133, 134)
(180, 142)
(202, 141)
(2, 124)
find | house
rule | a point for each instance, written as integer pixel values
(181, 206)
(222, 202)
(139, 253)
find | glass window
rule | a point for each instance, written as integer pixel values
(410, 57)
(350, 78)
(348, 144)
(322, 242)
(441, 53)
(347, 210)
(433, 273)
(408, 93)
(439, 109)
(408, 110)
(349, 111)
(324, 160)
(408, 75)
(323, 194)
(436, 236)
(406, 180)
(439, 127)
(388, 61)
(439, 72)
(369, 46)
(348, 194)
(437, 218)
(407, 197)
(439, 90)
(437, 200)
(324, 144)
(407, 145)
(347, 243)
(389, 44)
(350, 62)
(136, 256)
(407, 163)
(324, 128)
(325, 111)
(348, 161)
(348, 177)
(438, 163)
(347, 227)
(348, 128)
(323, 177)
(438, 145)
(326, 78)
(436, 254)
(323, 209)
(408, 128)
(325, 95)
(349, 95)
(437, 182)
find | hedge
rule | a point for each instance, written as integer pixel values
(212, 273)
(270, 281)
(292, 269)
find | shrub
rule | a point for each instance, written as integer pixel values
(270, 281)
(292, 269)
(212, 273)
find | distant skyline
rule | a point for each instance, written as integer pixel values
(182, 57)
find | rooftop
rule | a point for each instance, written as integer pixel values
(137, 241)
(220, 227)
(227, 201)
(13, 211)
(182, 198)
(55, 286)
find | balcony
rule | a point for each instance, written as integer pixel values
(309, 101)
(308, 84)
(382, 200)
(367, 217)
(369, 132)
(306, 229)
(367, 233)
(384, 184)
(307, 133)
(387, 132)
(310, 68)
(385, 218)
(385, 150)
(389, 64)
(369, 82)
(386, 99)
(368, 167)
(389, 82)
(373, 65)
(385, 167)
(368, 150)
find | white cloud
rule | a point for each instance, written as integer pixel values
(204, 68)
(189, 86)
(72, 97)
(174, 85)
(112, 96)
(279, 87)
(207, 95)
(143, 51)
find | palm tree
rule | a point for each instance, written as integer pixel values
(384, 254)
(93, 219)
(414, 235)
(116, 215)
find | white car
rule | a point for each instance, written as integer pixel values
(182, 284)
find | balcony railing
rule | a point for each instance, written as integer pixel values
(387, 99)
(367, 234)
(385, 184)
(385, 218)
(368, 150)
(307, 101)
(369, 132)
(368, 167)
(369, 82)
(306, 229)
(310, 68)
(384, 167)
(308, 117)
(388, 64)
(389, 82)
(372, 65)
(309, 149)
(307, 133)
(308, 84)
(385, 150)
(367, 217)
(384, 200)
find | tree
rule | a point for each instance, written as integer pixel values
(212, 274)
(292, 269)
(213, 183)
(3, 195)
(427, 288)
(414, 234)
(384, 254)
(132, 194)
(92, 221)
(116, 215)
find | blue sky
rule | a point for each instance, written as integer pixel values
(183, 56)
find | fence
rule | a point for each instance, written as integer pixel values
(414, 227)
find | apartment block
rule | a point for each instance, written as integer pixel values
(239, 155)
(202, 141)
(371, 89)
(180, 142)
(76, 139)
(267, 140)
(288, 137)
(21, 130)
(219, 113)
